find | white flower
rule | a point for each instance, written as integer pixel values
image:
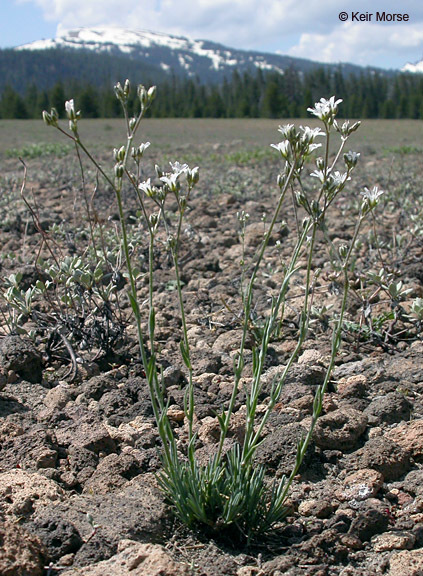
(338, 179)
(309, 134)
(192, 175)
(143, 147)
(137, 153)
(146, 187)
(178, 168)
(332, 180)
(372, 196)
(325, 110)
(318, 174)
(288, 131)
(70, 109)
(311, 147)
(284, 148)
(171, 181)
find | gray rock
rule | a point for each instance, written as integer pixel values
(129, 400)
(21, 356)
(59, 536)
(82, 463)
(340, 429)
(382, 455)
(172, 376)
(97, 386)
(389, 408)
(278, 450)
(33, 450)
(413, 482)
(3, 378)
(87, 433)
(301, 374)
(135, 559)
(21, 553)
(137, 511)
(58, 397)
(372, 519)
(114, 471)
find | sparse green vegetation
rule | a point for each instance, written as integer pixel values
(40, 149)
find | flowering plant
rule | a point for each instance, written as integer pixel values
(231, 491)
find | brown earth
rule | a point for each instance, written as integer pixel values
(90, 446)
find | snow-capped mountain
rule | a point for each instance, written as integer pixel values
(172, 54)
(416, 68)
(111, 40)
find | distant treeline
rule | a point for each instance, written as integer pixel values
(260, 95)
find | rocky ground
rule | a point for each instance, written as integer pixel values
(78, 459)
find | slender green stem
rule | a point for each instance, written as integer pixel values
(151, 323)
(336, 343)
(252, 439)
(338, 154)
(247, 311)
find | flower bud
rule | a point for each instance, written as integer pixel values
(171, 242)
(142, 95)
(51, 119)
(151, 94)
(315, 209)
(126, 88)
(154, 219)
(54, 116)
(193, 176)
(119, 170)
(119, 154)
(73, 126)
(132, 123)
(320, 163)
(354, 127)
(281, 179)
(159, 171)
(305, 223)
(343, 251)
(351, 159)
(47, 117)
(300, 197)
(119, 91)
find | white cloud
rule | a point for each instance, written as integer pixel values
(361, 43)
(236, 22)
(306, 28)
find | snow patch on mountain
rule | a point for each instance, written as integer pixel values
(208, 61)
(104, 39)
(416, 68)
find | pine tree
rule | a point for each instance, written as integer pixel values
(57, 98)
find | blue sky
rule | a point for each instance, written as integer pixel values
(305, 28)
(23, 23)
